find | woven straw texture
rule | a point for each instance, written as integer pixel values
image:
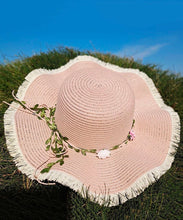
(95, 108)
(96, 103)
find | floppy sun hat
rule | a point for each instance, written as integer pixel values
(103, 129)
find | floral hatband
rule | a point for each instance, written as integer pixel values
(59, 144)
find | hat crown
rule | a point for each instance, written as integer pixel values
(95, 110)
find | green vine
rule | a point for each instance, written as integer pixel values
(55, 143)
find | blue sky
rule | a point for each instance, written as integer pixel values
(150, 31)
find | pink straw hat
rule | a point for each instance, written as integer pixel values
(114, 116)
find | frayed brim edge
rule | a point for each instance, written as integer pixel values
(68, 180)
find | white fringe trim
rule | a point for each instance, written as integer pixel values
(137, 187)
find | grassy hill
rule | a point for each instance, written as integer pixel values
(21, 198)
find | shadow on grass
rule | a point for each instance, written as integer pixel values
(38, 202)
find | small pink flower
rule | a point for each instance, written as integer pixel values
(132, 135)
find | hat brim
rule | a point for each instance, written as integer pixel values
(129, 170)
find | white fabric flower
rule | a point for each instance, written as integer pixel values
(103, 154)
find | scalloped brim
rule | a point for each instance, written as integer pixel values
(128, 171)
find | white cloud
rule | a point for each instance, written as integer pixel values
(140, 51)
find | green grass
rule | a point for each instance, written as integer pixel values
(21, 198)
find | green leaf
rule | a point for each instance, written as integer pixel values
(93, 150)
(48, 141)
(53, 119)
(60, 135)
(66, 156)
(24, 102)
(59, 142)
(53, 127)
(45, 170)
(129, 136)
(47, 147)
(69, 146)
(47, 119)
(61, 162)
(115, 147)
(38, 111)
(55, 139)
(54, 150)
(60, 149)
(133, 123)
(49, 165)
(20, 104)
(52, 111)
(42, 114)
(83, 152)
(35, 107)
(65, 138)
(77, 150)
